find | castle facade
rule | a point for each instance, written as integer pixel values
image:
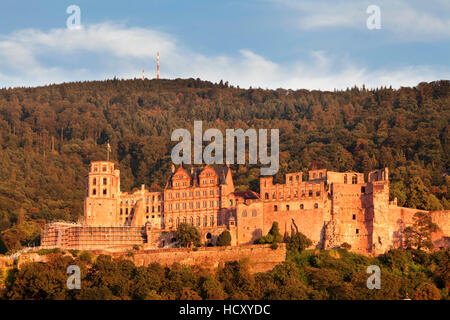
(330, 208)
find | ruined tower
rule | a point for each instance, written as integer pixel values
(102, 194)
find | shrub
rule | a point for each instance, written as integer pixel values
(224, 239)
(346, 245)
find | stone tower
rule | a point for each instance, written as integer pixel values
(102, 194)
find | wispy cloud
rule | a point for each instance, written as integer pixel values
(33, 57)
(412, 20)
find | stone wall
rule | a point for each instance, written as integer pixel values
(261, 257)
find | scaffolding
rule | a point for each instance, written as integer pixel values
(91, 237)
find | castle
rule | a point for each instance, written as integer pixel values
(330, 208)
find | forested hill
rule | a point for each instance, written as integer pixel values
(48, 136)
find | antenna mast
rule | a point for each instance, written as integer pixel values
(157, 65)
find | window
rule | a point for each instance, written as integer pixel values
(153, 208)
(302, 207)
(267, 196)
(310, 193)
(354, 217)
(205, 221)
(287, 207)
(244, 213)
(297, 178)
(354, 180)
(363, 189)
(208, 235)
(104, 169)
(345, 179)
(254, 213)
(320, 175)
(211, 192)
(357, 231)
(126, 210)
(104, 191)
(212, 221)
(318, 193)
(146, 210)
(198, 221)
(94, 192)
(314, 175)
(316, 205)
(204, 193)
(159, 208)
(121, 211)
(191, 221)
(231, 202)
(95, 181)
(275, 208)
(105, 181)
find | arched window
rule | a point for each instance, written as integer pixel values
(231, 202)
(267, 196)
(244, 213)
(287, 207)
(208, 235)
(275, 208)
(94, 192)
(254, 213)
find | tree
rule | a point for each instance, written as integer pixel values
(419, 234)
(224, 239)
(298, 241)
(427, 291)
(187, 235)
(274, 235)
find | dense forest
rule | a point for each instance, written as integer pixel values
(315, 275)
(48, 136)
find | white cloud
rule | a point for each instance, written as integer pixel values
(33, 57)
(412, 20)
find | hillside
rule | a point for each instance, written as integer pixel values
(48, 136)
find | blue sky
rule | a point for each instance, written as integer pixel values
(258, 43)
